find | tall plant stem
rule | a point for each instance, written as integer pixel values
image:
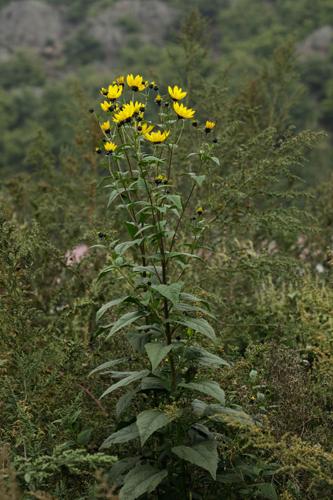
(181, 216)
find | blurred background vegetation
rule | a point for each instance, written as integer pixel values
(263, 69)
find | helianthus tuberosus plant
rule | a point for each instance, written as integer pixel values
(163, 427)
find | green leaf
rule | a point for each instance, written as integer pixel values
(124, 401)
(215, 160)
(175, 200)
(267, 490)
(108, 364)
(114, 194)
(121, 248)
(150, 383)
(84, 436)
(203, 455)
(205, 358)
(198, 179)
(125, 381)
(170, 292)
(123, 436)
(207, 387)
(108, 306)
(149, 421)
(125, 320)
(151, 159)
(232, 416)
(138, 340)
(156, 353)
(140, 480)
(199, 325)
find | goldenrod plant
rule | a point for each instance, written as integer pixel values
(168, 325)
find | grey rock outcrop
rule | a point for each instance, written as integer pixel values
(30, 24)
(317, 45)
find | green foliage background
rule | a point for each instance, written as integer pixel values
(268, 258)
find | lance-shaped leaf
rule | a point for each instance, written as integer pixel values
(199, 325)
(121, 248)
(108, 364)
(203, 455)
(207, 387)
(170, 292)
(233, 416)
(123, 436)
(205, 358)
(140, 480)
(125, 320)
(125, 381)
(198, 179)
(156, 353)
(149, 421)
(109, 305)
(124, 401)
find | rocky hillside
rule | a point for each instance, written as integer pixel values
(49, 30)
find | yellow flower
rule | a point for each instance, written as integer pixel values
(145, 128)
(157, 137)
(103, 91)
(125, 113)
(135, 82)
(160, 179)
(105, 105)
(158, 99)
(120, 80)
(199, 210)
(114, 92)
(209, 126)
(182, 111)
(105, 126)
(110, 147)
(176, 93)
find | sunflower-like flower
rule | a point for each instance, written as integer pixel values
(125, 113)
(209, 126)
(144, 128)
(160, 179)
(110, 147)
(114, 92)
(105, 126)
(105, 105)
(158, 99)
(157, 137)
(120, 80)
(103, 91)
(182, 111)
(199, 210)
(176, 93)
(135, 82)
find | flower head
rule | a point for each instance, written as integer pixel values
(126, 112)
(157, 137)
(145, 128)
(114, 92)
(120, 80)
(105, 126)
(160, 179)
(176, 93)
(182, 111)
(209, 126)
(158, 99)
(135, 82)
(199, 210)
(103, 91)
(105, 105)
(110, 147)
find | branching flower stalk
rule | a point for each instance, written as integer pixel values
(166, 326)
